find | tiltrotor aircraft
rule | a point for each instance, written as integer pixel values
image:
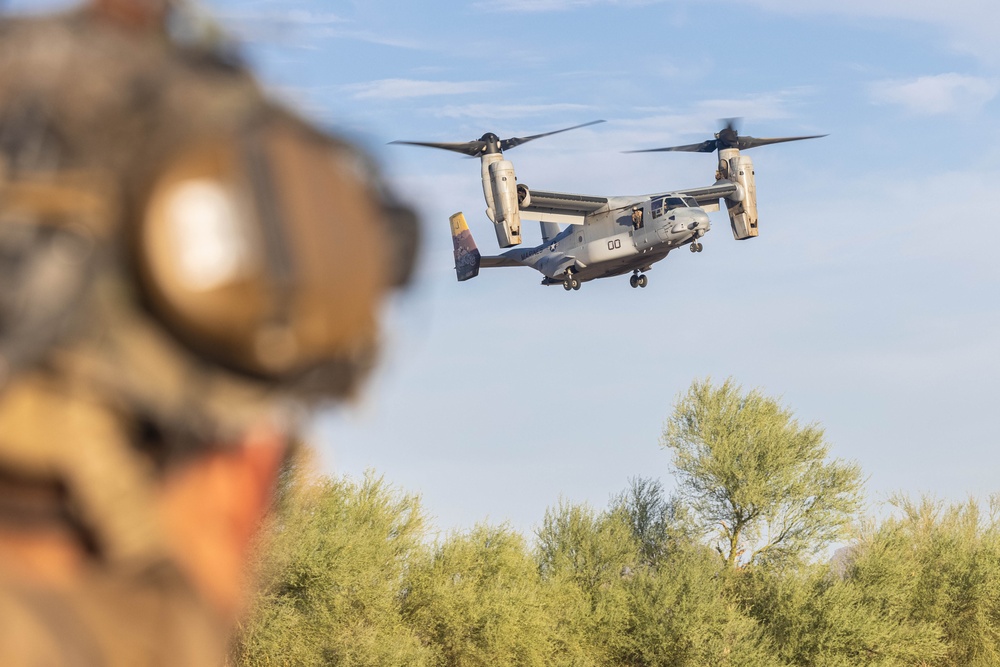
(604, 236)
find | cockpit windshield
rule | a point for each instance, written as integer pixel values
(661, 205)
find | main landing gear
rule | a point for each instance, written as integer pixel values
(571, 282)
(697, 247)
(638, 279)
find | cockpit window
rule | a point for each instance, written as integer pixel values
(656, 207)
(662, 205)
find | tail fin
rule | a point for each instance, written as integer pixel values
(467, 255)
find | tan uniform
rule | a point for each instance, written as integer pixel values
(85, 109)
(108, 619)
(107, 345)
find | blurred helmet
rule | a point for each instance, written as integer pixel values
(179, 256)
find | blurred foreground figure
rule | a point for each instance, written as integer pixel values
(185, 268)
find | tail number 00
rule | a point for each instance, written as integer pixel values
(615, 244)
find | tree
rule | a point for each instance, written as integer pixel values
(944, 561)
(682, 615)
(585, 559)
(477, 600)
(657, 521)
(332, 571)
(815, 615)
(756, 479)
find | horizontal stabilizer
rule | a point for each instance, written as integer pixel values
(495, 261)
(467, 255)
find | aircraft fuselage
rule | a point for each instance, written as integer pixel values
(615, 241)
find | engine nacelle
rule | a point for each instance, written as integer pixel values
(743, 206)
(523, 196)
(505, 214)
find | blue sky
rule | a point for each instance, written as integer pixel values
(869, 301)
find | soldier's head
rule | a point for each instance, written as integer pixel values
(185, 269)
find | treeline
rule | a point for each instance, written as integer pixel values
(724, 572)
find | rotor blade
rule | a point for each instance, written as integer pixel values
(507, 144)
(753, 142)
(471, 148)
(708, 146)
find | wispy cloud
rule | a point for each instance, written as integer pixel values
(703, 116)
(396, 89)
(494, 111)
(288, 17)
(302, 28)
(938, 94)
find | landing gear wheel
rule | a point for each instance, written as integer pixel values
(633, 281)
(575, 284)
(642, 281)
(700, 247)
(567, 286)
(693, 247)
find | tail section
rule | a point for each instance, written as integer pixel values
(467, 257)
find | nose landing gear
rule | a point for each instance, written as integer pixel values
(638, 280)
(570, 282)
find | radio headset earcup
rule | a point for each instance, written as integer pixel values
(267, 252)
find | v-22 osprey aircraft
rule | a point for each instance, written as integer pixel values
(604, 236)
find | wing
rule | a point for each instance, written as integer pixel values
(562, 207)
(709, 195)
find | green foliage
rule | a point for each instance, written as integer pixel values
(944, 564)
(478, 601)
(682, 615)
(351, 575)
(584, 558)
(657, 522)
(816, 618)
(755, 478)
(635, 590)
(332, 575)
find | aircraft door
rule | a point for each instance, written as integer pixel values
(643, 226)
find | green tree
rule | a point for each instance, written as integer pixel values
(945, 562)
(684, 616)
(757, 481)
(657, 522)
(585, 558)
(477, 600)
(332, 573)
(817, 617)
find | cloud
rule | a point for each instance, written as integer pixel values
(397, 89)
(938, 94)
(302, 28)
(495, 111)
(290, 17)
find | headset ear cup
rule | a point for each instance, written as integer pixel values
(266, 253)
(335, 237)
